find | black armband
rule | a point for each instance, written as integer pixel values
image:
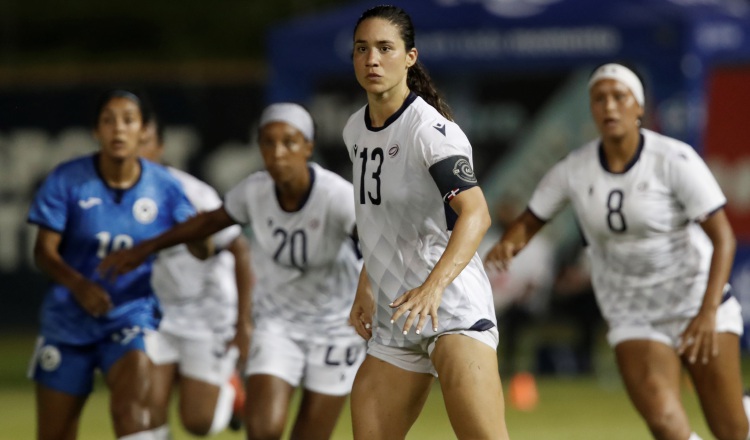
(453, 175)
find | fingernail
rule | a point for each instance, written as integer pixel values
(419, 331)
(390, 304)
(434, 329)
(404, 332)
(367, 326)
(392, 321)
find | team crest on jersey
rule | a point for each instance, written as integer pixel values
(643, 186)
(462, 170)
(145, 210)
(49, 358)
(393, 151)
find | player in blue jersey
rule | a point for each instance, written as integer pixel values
(86, 208)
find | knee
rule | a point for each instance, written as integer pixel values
(196, 423)
(259, 428)
(731, 430)
(666, 421)
(130, 416)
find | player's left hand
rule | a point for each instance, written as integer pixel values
(423, 301)
(700, 340)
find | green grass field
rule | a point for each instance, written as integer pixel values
(591, 408)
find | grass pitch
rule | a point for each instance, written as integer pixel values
(589, 408)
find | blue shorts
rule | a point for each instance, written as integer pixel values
(70, 368)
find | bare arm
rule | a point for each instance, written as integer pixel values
(514, 239)
(471, 225)
(89, 295)
(245, 279)
(192, 230)
(700, 338)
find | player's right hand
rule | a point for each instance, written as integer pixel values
(363, 309)
(500, 256)
(92, 298)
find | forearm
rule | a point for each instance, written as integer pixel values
(58, 270)
(522, 230)
(719, 271)
(194, 229)
(245, 280)
(468, 232)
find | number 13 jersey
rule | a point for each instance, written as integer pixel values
(403, 220)
(649, 257)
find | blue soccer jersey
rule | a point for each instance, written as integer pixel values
(95, 219)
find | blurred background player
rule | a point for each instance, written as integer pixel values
(86, 208)
(307, 265)
(640, 198)
(206, 316)
(420, 219)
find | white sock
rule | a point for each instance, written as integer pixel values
(223, 411)
(694, 436)
(746, 404)
(162, 433)
(143, 435)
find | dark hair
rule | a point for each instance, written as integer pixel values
(159, 127)
(417, 78)
(138, 98)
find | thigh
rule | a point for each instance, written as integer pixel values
(162, 381)
(720, 389)
(58, 414)
(651, 373)
(386, 399)
(469, 377)
(129, 382)
(317, 415)
(267, 405)
(197, 400)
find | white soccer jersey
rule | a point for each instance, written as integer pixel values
(404, 224)
(649, 257)
(306, 261)
(198, 297)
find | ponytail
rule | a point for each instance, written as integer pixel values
(419, 81)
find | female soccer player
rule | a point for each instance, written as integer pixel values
(206, 316)
(420, 218)
(302, 219)
(642, 199)
(86, 208)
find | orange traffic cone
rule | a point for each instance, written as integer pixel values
(523, 393)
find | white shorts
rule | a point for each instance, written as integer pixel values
(324, 368)
(728, 320)
(418, 360)
(207, 360)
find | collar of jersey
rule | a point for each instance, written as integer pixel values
(603, 159)
(117, 193)
(305, 198)
(409, 99)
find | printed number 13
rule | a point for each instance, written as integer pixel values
(377, 153)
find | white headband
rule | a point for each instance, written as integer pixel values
(622, 74)
(291, 113)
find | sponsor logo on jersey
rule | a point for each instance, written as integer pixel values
(462, 170)
(314, 223)
(393, 151)
(440, 127)
(145, 210)
(90, 202)
(49, 358)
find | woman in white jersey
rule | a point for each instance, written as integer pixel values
(639, 198)
(307, 266)
(420, 218)
(205, 316)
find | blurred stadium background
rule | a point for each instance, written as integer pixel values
(514, 72)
